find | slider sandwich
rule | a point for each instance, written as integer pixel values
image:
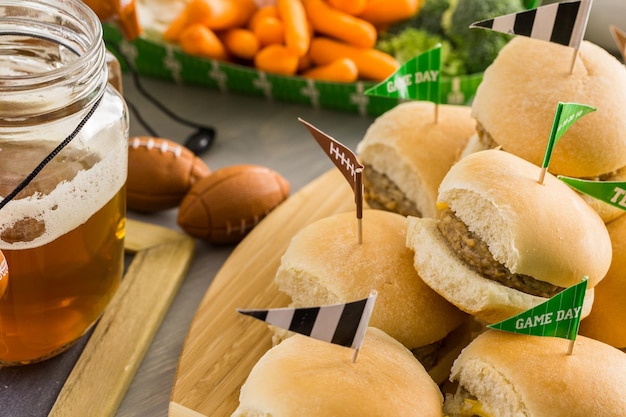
(306, 377)
(406, 155)
(325, 264)
(607, 321)
(515, 103)
(510, 375)
(503, 242)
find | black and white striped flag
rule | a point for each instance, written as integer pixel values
(563, 23)
(341, 324)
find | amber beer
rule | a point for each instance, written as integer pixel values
(63, 241)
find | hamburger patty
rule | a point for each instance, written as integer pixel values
(484, 137)
(383, 194)
(428, 355)
(475, 253)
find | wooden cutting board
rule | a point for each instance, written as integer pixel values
(222, 346)
(119, 341)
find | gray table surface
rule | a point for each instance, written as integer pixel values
(250, 130)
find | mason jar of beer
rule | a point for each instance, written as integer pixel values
(63, 166)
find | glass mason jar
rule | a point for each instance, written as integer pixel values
(62, 235)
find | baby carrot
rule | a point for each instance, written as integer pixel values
(342, 70)
(304, 63)
(339, 25)
(196, 11)
(277, 59)
(269, 10)
(371, 63)
(385, 12)
(240, 42)
(269, 30)
(297, 32)
(353, 7)
(226, 14)
(201, 41)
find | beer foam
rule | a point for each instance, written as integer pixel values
(71, 203)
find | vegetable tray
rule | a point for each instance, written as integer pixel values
(158, 59)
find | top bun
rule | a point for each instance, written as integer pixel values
(515, 375)
(517, 99)
(545, 231)
(415, 152)
(325, 264)
(306, 377)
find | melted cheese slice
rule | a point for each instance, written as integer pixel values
(472, 408)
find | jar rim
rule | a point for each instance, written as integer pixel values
(75, 11)
(53, 60)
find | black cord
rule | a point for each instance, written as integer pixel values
(197, 142)
(140, 119)
(51, 155)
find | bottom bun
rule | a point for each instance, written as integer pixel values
(607, 321)
(510, 375)
(450, 277)
(302, 376)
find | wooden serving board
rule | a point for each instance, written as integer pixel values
(119, 341)
(222, 346)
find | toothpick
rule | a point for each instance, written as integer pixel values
(570, 350)
(571, 68)
(542, 175)
(359, 204)
(364, 322)
(355, 353)
(620, 40)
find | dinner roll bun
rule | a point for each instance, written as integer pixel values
(607, 321)
(518, 96)
(511, 375)
(325, 264)
(545, 232)
(303, 376)
(406, 153)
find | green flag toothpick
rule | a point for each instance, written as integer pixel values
(417, 79)
(557, 317)
(565, 116)
(610, 192)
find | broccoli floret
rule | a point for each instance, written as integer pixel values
(411, 42)
(464, 50)
(430, 16)
(478, 47)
